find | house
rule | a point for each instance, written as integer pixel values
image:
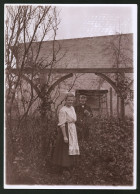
(113, 51)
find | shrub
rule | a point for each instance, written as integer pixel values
(106, 157)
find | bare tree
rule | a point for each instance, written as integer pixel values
(119, 49)
(26, 28)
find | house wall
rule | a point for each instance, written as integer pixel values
(93, 52)
(91, 82)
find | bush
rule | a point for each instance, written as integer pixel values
(106, 157)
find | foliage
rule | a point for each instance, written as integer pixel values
(106, 157)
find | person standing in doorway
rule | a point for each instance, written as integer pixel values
(83, 112)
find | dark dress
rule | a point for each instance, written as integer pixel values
(82, 122)
(61, 155)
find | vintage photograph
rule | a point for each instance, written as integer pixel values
(70, 96)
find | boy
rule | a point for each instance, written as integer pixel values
(83, 112)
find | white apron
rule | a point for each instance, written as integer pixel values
(67, 114)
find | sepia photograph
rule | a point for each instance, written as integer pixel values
(70, 96)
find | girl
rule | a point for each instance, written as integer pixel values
(67, 143)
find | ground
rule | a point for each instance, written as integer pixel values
(106, 157)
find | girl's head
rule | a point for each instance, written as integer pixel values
(69, 99)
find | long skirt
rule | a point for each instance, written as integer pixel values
(61, 155)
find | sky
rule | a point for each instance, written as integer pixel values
(95, 20)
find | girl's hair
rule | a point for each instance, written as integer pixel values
(69, 95)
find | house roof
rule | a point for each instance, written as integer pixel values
(90, 52)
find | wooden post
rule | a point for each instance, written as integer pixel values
(106, 104)
(99, 106)
(76, 70)
(111, 111)
(122, 109)
(118, 105)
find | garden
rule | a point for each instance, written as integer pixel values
(106, 157)
(33, 96)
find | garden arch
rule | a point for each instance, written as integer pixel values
(69, 73)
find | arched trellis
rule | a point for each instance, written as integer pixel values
(38, 91)
(105, 77)
(98, 71)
